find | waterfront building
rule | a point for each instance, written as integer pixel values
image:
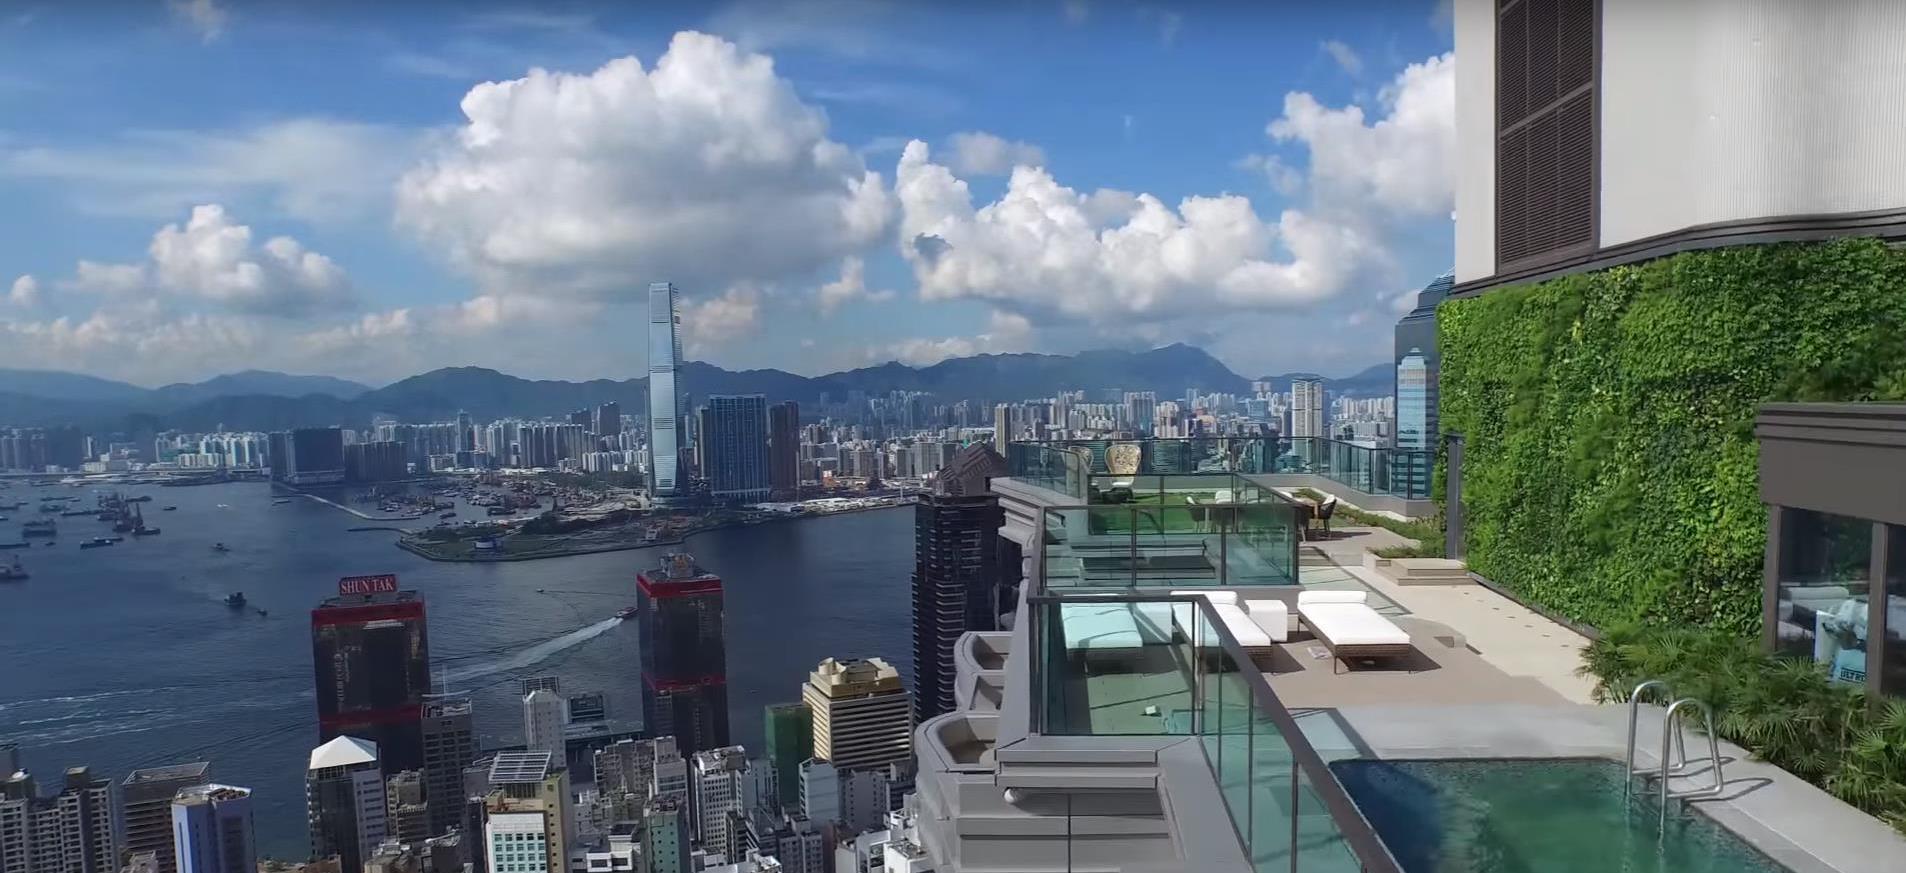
(372, 659)
(956, 571)
(313, 456)
(784, 448)
(1307, 407)
(449, 746)
(722, 784)
(862, 716)
(380, 461)
(684, 658)
(543, 722)
(344, 801)
(665, 401)
(734, 447)
(145, 813)
(212, 825)
(789, 736)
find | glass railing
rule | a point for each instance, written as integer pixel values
(1395, 472)
(1193, 540)
(1164, 665)
(1052, 466)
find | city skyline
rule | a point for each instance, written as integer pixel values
(328, 227)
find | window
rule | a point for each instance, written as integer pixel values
(1545, 130)
(1824, 569)
(1893, 663)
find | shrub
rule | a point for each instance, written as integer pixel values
(1784, 710)
(1610, 467)
(1428, 533)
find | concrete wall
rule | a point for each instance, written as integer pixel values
(1722, 110)
(1475, 139)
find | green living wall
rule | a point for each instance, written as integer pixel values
(1609, 462)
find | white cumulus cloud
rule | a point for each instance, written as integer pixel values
(706, 170)
(213, 260)
(1345, 56)
(204, 16)
(978, 153)
(1403, 162)
(851, 286)
(1005, 332)
(710, 322)
(25, 292)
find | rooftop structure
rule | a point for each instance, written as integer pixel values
(518, 767)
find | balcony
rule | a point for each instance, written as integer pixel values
(1384, 479)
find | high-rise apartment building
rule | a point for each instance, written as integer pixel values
(71, 832)
(1307, 407)
(145, 812)
(721, 783)
(862, 716)
(784, 450)
(665, 400)
(212, 826)
(543, 722)
(372, 660)
(684, 656)
(344, 801)
(1141, 410)
(529, 795)
(789, 736)
(957, 564)
(449, 746)
(734, 447)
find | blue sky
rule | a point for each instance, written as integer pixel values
(197, 187)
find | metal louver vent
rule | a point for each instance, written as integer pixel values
(1545, 129)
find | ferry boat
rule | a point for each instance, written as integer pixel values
(280, 501)
(235, 600)
(45, 527)
(625, 613)
(12, 572)
(98, 542)
(221, 547)
(23, 544)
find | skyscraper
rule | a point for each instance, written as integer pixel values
(665, 840)
(721, 783)
(344, 801)
(213, 829)
(449, 747)
(784, 450)
(1141, 410)
(862, 717)
(665, 401)
(1307, 407)
(71, 832)
(608, 419)
(145, 811)
(527, 814)
(734, 442)
(1413, 423)
(1416, 333)
(684, 658)
(543, 722)
(789, 735)
(957, 569)
(372, 660)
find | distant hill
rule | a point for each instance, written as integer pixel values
(1378, 380)
(260, 400)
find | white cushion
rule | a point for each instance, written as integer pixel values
(1308, 597)
(1215, 595)
(1272, 615)
(1100, 626)
(1247, 632)
(1352, 624)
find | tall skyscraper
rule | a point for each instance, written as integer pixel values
(721, 783)
(734, 444)
(145, 812)
(372, 659)
(862, 717)
(665, 400)
(1141, 411)
(1412, 422)
(543, 722)
(449, 746)
(684, 657)
(213, 829)
(344, 801)
(466, 432)
(1416, 333)
(784, 450)
(1307, 407)
(1002, 426)
(789, 734)
(608, 419)
(957, 569)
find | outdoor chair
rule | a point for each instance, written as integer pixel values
(1323, 513)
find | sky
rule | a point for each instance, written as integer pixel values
(192, 187)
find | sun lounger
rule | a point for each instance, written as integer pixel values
(1224, 604)
(1349, 628)
(1113, 631)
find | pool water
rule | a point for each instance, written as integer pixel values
(1537, 816)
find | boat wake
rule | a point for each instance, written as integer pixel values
(535, 654)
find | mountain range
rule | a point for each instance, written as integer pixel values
(264, 400)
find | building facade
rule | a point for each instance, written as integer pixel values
(684, 653)
(957, 563)
(449, 740)
(71, 832)
(863, 718)
(529, 792)
(789, 736)
(1307, 407)
(734, 447)
(345, 806)
(665, 399)
(371, 656)
(543, 722)
(213, 830)
(784, 450)
(145, 813)
(722, 784)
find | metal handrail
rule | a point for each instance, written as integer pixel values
(1634, 712)
(1714, 755)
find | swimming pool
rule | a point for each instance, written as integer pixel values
(1534, 816)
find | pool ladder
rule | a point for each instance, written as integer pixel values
(1679, 765)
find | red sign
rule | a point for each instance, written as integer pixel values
(382, 584)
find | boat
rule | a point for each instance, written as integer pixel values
(143, 498)
(143, 531)
(235, 600)
(45, 527)
(98, 542)
(221, 547)
(625, 613)
(23, 544)
(542, 591)
(445, 515)
(276, 501)
(501, 510)
(262, 613)
(12, 572)
(170, 509)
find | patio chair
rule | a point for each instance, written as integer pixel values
(1324, 511)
